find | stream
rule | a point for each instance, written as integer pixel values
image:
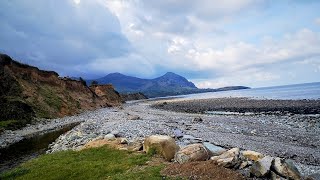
(29, 148)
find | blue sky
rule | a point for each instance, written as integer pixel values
(211, 42)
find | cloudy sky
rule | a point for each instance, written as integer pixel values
(213, 43)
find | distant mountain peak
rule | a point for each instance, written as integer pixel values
(168, 82)
(170, 73)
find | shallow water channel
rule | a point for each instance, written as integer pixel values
(29, 148)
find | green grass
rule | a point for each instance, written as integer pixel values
(7, 123)
(51, 98)
(96, 163)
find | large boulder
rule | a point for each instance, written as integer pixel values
(215, 150)
(193, 152)
(252, 155)
(261, 167)
(286, 168)
(228, 159)
(160, 144)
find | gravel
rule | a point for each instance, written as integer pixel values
(243, 105)
(293, 136)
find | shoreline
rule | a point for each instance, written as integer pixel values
(242, 105)
(286, 136)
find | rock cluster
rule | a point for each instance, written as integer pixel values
(255, 163)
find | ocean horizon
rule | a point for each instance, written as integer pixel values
(286, 92)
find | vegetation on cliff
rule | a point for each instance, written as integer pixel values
(27, 92)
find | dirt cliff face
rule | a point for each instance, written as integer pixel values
(107, 93)
(133, 96)
(44, 94)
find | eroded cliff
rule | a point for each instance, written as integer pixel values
(27, 92)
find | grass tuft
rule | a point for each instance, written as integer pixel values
(95, 163)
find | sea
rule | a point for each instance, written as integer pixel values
(294, 92)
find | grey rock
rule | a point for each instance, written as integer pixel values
(123, 141)
(178, 133)
(261, 168)
(315, 176)
(110, 136)
(116, 133)
(197, 120)
(228, 159)
(215, 150)
(193, 152)
(275, 176)
(286, 168)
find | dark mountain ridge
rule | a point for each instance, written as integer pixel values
(169, 84)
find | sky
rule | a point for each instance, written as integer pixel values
(213, 43)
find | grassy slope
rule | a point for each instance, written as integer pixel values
(96, 163)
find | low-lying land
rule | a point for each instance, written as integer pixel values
(243, 105)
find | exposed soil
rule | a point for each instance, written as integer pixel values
(201, 170)
(243, 105)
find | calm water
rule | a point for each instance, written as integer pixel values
(298, 91)
(30, 148)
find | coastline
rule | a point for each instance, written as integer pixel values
(292, 136)
(242, 105)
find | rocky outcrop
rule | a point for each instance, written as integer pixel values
(133, 96)
(27, 92)
(163, 145)
(107, 94)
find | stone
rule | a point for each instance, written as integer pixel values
(110, 137)
(227, 162)
(134, 117)
(163, 145)
(228, 159)
(116, 133)
(197, 120)
(191, 139)
(215, 150)
(252, 155)
(178, 133)
(275, 176)
(193, 152)
(243, 165)
(135, 146)
(315, 176)
(286, 168)
(123, 141)
(253, 132)
(261, 168)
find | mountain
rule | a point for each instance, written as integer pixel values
(27, 92)
(169, 84)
